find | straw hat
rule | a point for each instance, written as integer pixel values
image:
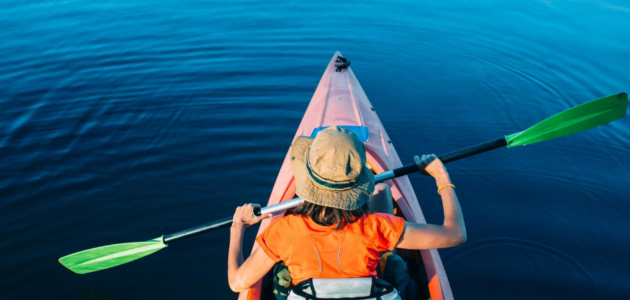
(330, 170)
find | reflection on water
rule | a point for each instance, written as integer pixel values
(125, 120)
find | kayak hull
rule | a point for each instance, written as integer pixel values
(339, 100)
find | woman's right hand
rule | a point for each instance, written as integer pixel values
(245, 217)
(432, 165)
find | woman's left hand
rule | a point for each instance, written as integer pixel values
(245, 217)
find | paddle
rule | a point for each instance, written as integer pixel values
(577, 119)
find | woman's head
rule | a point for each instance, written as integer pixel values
(330, 172)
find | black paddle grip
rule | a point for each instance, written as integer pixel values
(472, 150)
(453, 156)
(257, 210)
(198, 230)
(406, 170)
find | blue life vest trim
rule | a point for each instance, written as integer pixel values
(361, 131)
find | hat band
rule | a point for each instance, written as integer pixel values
(328, 184)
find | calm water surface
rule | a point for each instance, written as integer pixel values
(125, 120)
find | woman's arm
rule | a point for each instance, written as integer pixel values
(453, 230)
(242, 275)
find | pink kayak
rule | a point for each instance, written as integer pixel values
(339, 100)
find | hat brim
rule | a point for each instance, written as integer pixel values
(312, 192)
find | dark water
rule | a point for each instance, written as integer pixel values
(125, 120)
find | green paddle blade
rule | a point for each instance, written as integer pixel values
(106, 257)
(574, 120)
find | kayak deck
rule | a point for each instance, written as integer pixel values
(340, 100)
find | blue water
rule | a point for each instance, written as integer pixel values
(125, 120)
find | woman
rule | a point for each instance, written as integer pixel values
(335, 234)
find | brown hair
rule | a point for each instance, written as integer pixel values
(327, 216)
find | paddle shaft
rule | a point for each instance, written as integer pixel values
(402, 171)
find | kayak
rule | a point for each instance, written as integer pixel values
(339, 100)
